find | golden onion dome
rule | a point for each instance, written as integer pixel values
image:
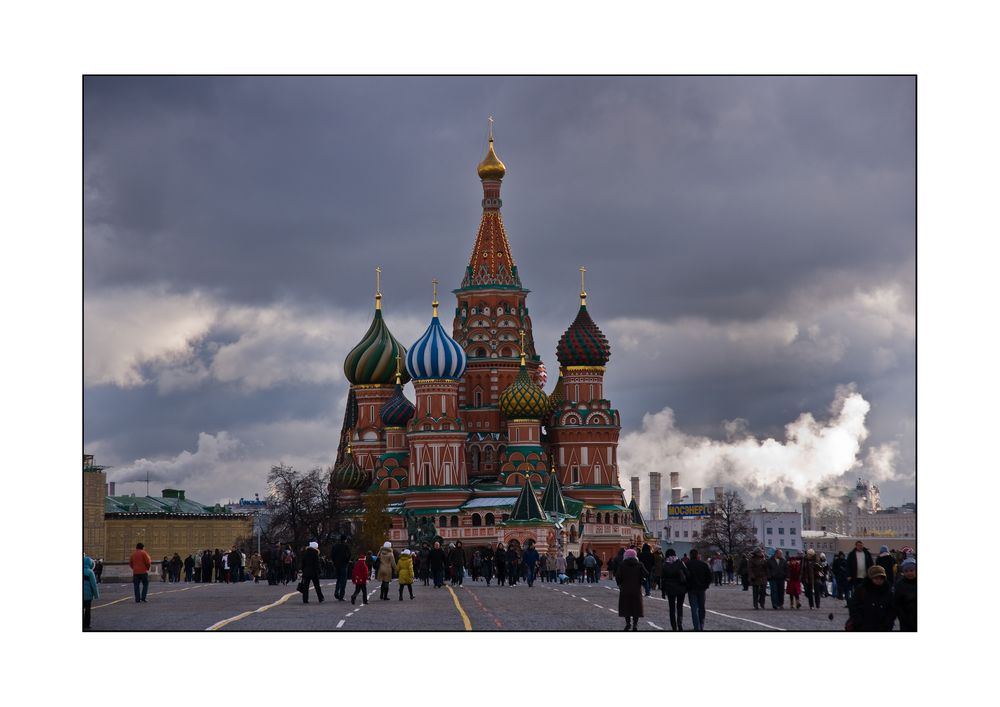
(491, 167)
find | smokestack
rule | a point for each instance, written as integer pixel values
(111, 488)
(635, 489)
(675, 494)
(695, 495)
(654, 495)
(807, 513)
(675, 479)
(719, 493)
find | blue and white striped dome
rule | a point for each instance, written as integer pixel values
(435, 355)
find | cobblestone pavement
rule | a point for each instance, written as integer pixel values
(474, 606)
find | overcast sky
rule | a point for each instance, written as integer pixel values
(749, 243)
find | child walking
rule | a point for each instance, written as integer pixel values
(359, 575)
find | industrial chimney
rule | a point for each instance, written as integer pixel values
(807, 513)
(695, 495)
(111, 488)
(654, 495)
(635, 489)
(719, 494)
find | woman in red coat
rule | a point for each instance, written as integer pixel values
(359, 575)
(794, 588)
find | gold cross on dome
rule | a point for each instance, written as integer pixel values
(491, 127)
(397, 369)
(378, 287)
(435, 302)
(583, 291)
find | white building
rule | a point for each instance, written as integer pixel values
(778, 530)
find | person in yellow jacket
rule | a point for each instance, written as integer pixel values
(405, 569)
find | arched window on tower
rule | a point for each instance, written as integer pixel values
(616, 519)
(474, 455)
(477, 520)
(454, 521)
(488, 455)
(480, 352)
(490, 520)
(477, 396)
(443, 522)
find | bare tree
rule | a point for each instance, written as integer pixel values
(304, 507)
(728, 529)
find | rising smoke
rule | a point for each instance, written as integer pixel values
(778, 474)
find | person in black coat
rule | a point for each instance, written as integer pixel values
(699, 580)
(310, 572)
(631, 577)
(905, 595)
(340, 555)
(871, 608)
(673, 587)
(777, 573)
(646, 559)
(436, 560)
(188, 568)
(856, 574)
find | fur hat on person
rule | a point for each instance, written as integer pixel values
(822, 557)
(387, 544)
(314, 545)
(810, 553)
(405, 552)
(876, 571)
(630, 553)
(907, 564)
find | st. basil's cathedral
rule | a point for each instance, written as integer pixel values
(485, 455)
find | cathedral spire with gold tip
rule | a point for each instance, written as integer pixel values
(491, 263)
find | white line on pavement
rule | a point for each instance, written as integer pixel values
(224, 622)
(341, 623)
(658, 628)
(598, 606)
(749, 621)
(588, 600)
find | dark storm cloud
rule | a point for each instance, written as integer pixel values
(746, 203)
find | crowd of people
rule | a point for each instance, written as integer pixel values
(878, 590)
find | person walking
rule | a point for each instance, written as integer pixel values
(730, 566)
(571, 567)
(234, 565)
(673, 587)
(646, 559)
(513, 565)
(175, 568)
(822, 564)
(165, 569)
(531, 560)
(794, 586)
(90, 590)
(839, 568)
(437, 561)
(340, 555)
(657, 569)
(813, 578)
(543, 567)
(386, 566)
(140, 562)
(699, 580)
(476, 565)
(905, 595)
(218, 563)
(458, 562)
(887, 561)
(206, 567)
(777, 573)
(99, 569)
(255, 567)
(359, 575)
(500, 560)
(580, 567)
(630, 579)
(310, 572)
(589, 565)
(871, 608)
(423, 559)
(757, 576)
(744, 572)
(858, 564)
(560, 566)
(405, 571)
(188, 568)
(487, 554)
(717, 568)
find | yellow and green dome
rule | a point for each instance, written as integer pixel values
(523, 399)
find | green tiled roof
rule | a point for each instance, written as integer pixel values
(526, 507)
(552, 499)
(149, 504)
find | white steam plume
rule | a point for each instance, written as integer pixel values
(814, 454)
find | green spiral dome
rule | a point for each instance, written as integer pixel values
(373, 360)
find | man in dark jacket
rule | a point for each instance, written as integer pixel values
(871, 607)
(744, 572)
(188, 568)
(673, 587)
(905, 596)
(340, 555)
(310, 572)
(531, 559)
(777, 573)
(456, 558)
(757, 576)
(839, 568)
(647, 560)
(437, 561)
(699, 580)
(234, 564)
